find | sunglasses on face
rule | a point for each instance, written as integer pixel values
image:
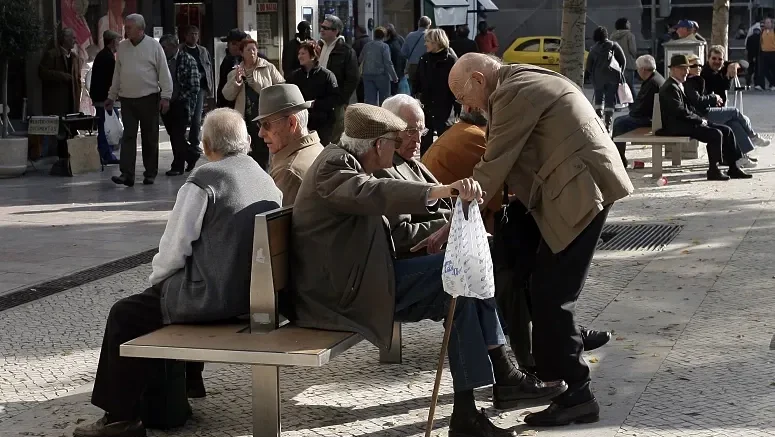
(694, 66)
(326, 28)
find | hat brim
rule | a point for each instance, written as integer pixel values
(678, 65)
(305, 105)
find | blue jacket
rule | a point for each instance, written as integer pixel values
(414, 46)
(375, 58)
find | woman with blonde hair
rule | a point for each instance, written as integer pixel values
(431, 85)
(243, 87)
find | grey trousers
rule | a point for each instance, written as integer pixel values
(142, 112)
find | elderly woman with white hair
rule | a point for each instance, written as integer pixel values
(408, 230)
(346, 276)
(431, 84)
(200, 275)
(643, 106)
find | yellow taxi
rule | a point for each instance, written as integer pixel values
(543, 51)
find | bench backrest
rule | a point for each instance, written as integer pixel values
(269, 272)
(656, 115)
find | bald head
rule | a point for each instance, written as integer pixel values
(473, 78)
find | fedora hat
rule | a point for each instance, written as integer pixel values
(679, 61)
(280, 98)
(234, 35)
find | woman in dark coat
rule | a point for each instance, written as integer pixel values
(431, 85)
(319, 85)
(605, 65)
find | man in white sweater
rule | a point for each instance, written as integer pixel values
(143, 84)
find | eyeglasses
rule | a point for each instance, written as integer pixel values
(417, 130)
(462, 92)
(326, 28)
(266, 124)
(693, 66)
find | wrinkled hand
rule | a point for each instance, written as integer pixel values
(732, 69)
(719, 101)
(239, 75)
(468, 190)
(435, 242)
(164, 106)
(108, 105)
(704, 122)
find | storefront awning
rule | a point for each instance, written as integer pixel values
(487, 6)
(449, 12)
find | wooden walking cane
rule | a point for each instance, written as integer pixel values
(444, 343)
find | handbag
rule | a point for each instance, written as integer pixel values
(624, 94)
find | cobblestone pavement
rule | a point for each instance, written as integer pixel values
(690, 355)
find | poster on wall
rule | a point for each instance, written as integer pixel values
(89, 19)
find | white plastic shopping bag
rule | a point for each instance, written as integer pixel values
(624, 93)
(468, 268)
(114, 129)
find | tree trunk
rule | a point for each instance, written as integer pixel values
(4, 79)
(720, 31)
(574, 22)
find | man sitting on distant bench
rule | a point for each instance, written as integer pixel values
(643, 106)
(201, 273)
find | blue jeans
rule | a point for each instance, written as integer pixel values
(738, 122)
(624, 124)
(476, 325)
(606, 96)
(376, 88)
(105, 150)
(196, 120)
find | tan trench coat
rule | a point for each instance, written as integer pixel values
(342, 255)
(265, 74)
(547, 144)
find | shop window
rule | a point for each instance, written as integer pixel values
(342, 9)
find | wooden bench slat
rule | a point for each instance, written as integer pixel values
(286, 346)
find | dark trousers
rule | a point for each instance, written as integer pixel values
(554, 283)
(142, 112)
(476, 325)
(720, 142)
(624, 124)
(175, 123)
(766, 69)
(121, 382)
(436, 122)
(751, 73)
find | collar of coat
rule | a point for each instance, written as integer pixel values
(295, 146)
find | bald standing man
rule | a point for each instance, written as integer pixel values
(546, 145)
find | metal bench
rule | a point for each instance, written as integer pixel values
(268, 341)
(645, 136)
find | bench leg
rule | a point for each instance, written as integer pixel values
(392, 355)
(266, 401)
(656, 160)
(677, 155)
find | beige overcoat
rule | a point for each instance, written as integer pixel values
(546, 143)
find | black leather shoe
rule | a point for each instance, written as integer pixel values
(102, 428)
(174, 173)
(148, 181)
(477, 425)
(530, 391)
(557, 415)
(715, 174)
(737, 173)
(123, 180)
(594, 339)
(195, 388)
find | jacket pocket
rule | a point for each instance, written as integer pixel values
(570, 192)
(351, 289)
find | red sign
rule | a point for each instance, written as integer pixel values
(267, 7)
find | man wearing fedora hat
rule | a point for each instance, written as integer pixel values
(347, 277)
(680, 118)
(283, 118)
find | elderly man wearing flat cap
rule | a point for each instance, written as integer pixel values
(282, 118)
(347, 278)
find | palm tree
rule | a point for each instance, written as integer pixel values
(574, 22)
(720, 29)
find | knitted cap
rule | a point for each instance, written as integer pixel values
(362, 121)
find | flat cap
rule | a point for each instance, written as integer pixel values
(362, 121)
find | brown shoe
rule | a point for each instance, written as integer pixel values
(102, 428)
